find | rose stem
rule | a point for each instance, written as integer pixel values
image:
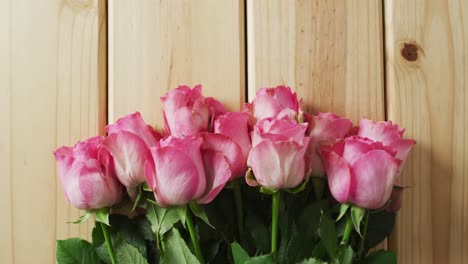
(274, 222)
(364, 233)
(193, 236)
(105, 231)
(347, 231)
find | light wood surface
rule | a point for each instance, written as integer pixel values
(155, 46)
(50, 95)
(428, 96)
(330, 52)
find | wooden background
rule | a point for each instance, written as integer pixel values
(68, 67)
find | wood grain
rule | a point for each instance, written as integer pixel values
(50, 95)
(427, 94)
(155, 46)
(330, 52)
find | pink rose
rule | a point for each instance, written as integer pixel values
(389, 134)
(361, 171)
(237, 127)
(186, 111)
(324, 129)
(87, 176)
(129, 141)
(278, 158)
(179, 172)
(279, 102)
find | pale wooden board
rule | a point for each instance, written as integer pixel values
(428, 97)
(330, 52)
(50, 95)
(155, 46)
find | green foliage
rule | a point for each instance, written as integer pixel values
(75, 250)
(311, 227)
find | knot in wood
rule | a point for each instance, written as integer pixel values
(410, 52)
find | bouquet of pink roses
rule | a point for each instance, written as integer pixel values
(268, 184)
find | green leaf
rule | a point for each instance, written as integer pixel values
(347, 255)
(265, 259)
(138, 198)
(97, 236)
(128, 231)
(327, 233)
(161, 219)
(299, 188)
(75, 250)
(128, 254)
(311, 261)
(238, 254)
(379, 227)
(182, 211)
(381, 257)
(343, 209)
(103, 254)
(357, 214)
(267, 190)
(102, 215)
(319, 251)
(82, 218)
(198, 211)
(146, 187)
(177, 251)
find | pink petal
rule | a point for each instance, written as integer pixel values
(87, 149)
(178, 180)
(276, 166)
(129, 152)
(217, 174)
(98, 190)
(382, 131)
(187, 122)
(286, 98)
(403, 147)
(339, 177)
(229, 148)
(266, 165)
(135, 124)
(265, 106)
(235, 125)
(373, 177)
(354, 148)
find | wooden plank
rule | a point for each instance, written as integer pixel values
(50, 95)
(330, 52)
(155, 46)
(427, 81)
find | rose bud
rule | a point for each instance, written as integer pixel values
(361, 171)
(187, 112)
(129, 142)
(388, 133)
(324, 129)
(87, 175)
(178, 172)
(278, 158)
(237, 127)
(279, 102)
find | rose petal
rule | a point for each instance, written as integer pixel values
(229, 148)
(177, 178)
(373, 177)
(129, 152)
(135, 124)
(339, 177)
(217, 174)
